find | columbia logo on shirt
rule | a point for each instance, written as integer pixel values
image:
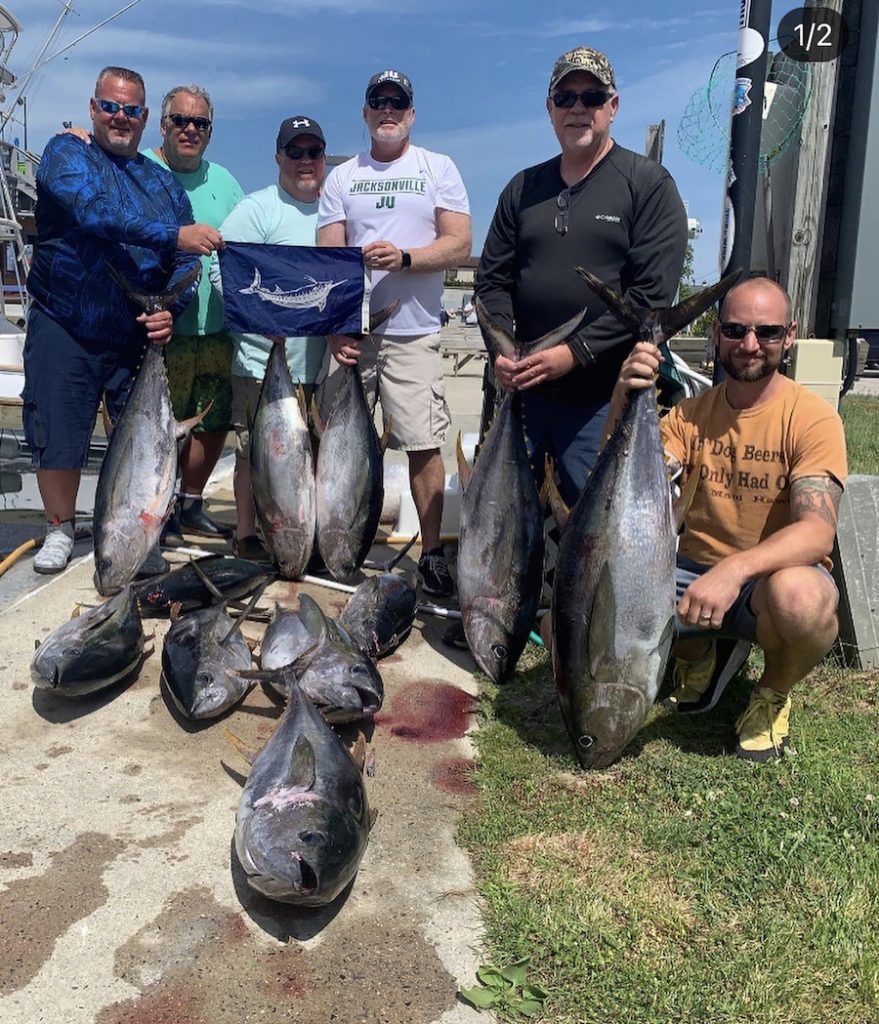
(608, 216)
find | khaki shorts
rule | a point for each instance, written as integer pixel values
(245, 397)
(199, 372)
(405, 375)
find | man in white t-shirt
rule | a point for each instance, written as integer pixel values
(408, 209)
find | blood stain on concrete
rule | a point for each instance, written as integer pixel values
(201, 963)
(16, 860)
(429, 711)
(58, 750)
(132, 769)
(19, 685)
(37, 911)
(452, 775)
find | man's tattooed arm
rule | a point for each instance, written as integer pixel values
(818, 494)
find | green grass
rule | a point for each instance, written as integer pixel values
(683, 884)
(860, 416)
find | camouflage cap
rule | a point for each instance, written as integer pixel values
(583, 58)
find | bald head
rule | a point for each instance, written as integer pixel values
(765, 288)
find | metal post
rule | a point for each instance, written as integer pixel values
(737, 223)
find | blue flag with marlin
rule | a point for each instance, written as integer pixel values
(294, 290)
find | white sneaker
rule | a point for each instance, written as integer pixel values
(57, 548)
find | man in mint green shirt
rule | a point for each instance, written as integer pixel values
(199, 356)
(285, 213)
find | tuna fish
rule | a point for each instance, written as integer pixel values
(282, 470)
(379, 614)
(350, 477)
(203, 661)
(500, 545)
(339, 679)
(92, 650)
(139, 473)
(303, 820)
(233, 578)
(614, 593)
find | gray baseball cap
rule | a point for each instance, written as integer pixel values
(583, 58)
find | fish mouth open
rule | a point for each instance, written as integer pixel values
(288, 889)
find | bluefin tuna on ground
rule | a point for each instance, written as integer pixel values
(379, 614)
(92, 650)
(282, 469)
(303, 819)
(232, 578)
(614, 591)
(500, 544)
(338, 677)
(138, 476)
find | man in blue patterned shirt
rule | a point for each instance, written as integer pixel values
(97, 206)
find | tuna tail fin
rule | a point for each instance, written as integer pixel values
(497, 340)
(550, 493)
(464, 470)
(378, 318)
(675, 319)
(153, 303)
(559, 334)
(627, 315)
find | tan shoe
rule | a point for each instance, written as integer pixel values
(763, 727)
(692, 678)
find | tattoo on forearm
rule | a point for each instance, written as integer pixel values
(818, 494)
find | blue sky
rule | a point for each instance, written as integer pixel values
(480, 69)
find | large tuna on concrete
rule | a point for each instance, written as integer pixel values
(614, 592)
(92, 650)
(500, 545)
(350, 480)
(232, 578)
(303, 819)
(379, 614)
(138, 476)
(282, 470)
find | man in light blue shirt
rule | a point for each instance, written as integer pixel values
(284, 213)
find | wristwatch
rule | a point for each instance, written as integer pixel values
(405, 260)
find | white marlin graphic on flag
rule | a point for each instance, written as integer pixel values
(306, 297)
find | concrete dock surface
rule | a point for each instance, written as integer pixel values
(121, 899)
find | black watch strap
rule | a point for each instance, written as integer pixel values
(405, 260)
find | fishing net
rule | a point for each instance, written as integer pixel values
(704, 130)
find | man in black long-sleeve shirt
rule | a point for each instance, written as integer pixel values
(597, 205)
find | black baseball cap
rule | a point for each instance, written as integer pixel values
(293, 127)
(394, 77)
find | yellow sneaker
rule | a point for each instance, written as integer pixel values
(764, 726)
(691, 678)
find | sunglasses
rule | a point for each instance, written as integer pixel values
(381, 102)
(762, 332)
(563, 202)
(298, 152)
(201, 124)
(566, 98)
(132, 110)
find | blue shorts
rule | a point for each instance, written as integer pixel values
(739, 623)
(64, 380)
(571, 433)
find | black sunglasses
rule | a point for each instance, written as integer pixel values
(566, 98)
(133, 110)
(381, 102)
(201, 124)
(762, 332)
(298, 152)
(563, 202)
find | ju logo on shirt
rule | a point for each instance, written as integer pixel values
(294, 290)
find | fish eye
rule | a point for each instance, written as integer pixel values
(312, 838)
(586, 742)
(499, 651)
